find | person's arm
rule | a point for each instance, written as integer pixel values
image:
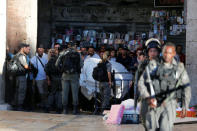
(26, 66)
(109, 68)
(47, 69)
(109, 77)
(33, 62)
(186, 92)
(142, 88)
(81, 60)
(48, 80)
(23, 61)
(58, 60)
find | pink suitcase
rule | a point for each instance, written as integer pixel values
(116, 114)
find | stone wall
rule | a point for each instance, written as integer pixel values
(191, 46)
(21, 23)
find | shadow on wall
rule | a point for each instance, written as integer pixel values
(10, 83)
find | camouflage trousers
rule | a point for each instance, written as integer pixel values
(161, 118)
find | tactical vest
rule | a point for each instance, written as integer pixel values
(71, 62)
(164, 83)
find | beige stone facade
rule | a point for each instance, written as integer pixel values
(21, 23)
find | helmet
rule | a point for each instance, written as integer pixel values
(153, 43)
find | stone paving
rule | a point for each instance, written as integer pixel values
(28, 121)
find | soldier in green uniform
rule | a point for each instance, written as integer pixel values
(168, 78)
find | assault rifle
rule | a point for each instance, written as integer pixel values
(152, 92)
(138, 74)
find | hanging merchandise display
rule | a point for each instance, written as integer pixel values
(167, 22)
(131, 40)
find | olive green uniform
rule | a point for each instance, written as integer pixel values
(165, 78)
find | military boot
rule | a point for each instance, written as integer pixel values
(75, 110)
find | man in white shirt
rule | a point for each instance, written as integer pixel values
(92, 54)
(39, 61)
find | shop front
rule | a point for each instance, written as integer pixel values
(129, 23)
(106, 22)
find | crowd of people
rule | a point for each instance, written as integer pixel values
(45, 79)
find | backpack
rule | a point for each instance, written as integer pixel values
(71, 62)
(50, 67)
(100, 72)
(14, 66)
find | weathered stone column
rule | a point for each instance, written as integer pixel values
(18, 23)
(22, 23)
(191, 46)
(32, 24)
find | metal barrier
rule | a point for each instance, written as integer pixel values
(121, 80)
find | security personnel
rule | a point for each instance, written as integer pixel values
(54, 82)
(70, 62)
(168, 77)
(153, 49)
(21, 80)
